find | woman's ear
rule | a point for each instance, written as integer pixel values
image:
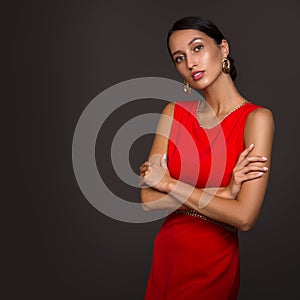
(225, 48)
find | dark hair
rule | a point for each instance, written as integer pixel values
(206, 26)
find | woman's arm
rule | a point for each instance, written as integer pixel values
(243, 211)
(151, 198)
(163, 199)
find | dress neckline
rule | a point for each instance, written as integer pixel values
(219, 122)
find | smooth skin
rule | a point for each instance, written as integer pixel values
(240, 202)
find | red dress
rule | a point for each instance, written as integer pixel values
(194, 258)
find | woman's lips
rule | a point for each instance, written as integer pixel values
(197, 75)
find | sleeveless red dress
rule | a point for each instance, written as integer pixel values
(194, 258)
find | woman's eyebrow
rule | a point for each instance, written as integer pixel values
(193, 40)
(189, 43)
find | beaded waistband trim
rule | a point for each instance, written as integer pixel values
(194, 213)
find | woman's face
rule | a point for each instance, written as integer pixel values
(197, 57)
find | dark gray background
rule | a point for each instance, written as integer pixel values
(64, 53)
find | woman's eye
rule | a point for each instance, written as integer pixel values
(198, 48)
(179, 59)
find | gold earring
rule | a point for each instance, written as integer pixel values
(186, 87)
(226, 65)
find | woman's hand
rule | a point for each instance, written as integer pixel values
(155, 175)
(248, 167)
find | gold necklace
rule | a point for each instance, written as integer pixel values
(220, 121)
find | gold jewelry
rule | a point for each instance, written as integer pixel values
(220, 121)
(186, 87)
(194, 213)
(226, 65)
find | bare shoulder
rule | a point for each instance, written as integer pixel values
(260, 120)
(161, 139)
(261, 116)
(259, 128)
(169, 109)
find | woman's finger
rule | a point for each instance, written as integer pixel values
(252, 168)
(252, 175)
(147, 163)
(145, 172)
(245, 153)
(163, 161)
(250, 160)
(144, 168)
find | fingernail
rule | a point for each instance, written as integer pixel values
(264, 158)
(165, 156)
(251, 145)
(265, 168)
(260, 173)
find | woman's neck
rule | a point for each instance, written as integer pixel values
(222, 95)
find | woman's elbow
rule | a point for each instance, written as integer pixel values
(145, 206)
(144, 202)
(245, 227)
(246, 223)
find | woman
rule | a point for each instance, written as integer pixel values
(217, 191)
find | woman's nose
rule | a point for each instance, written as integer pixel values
(190, 62)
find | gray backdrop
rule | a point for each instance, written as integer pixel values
(64, 53)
